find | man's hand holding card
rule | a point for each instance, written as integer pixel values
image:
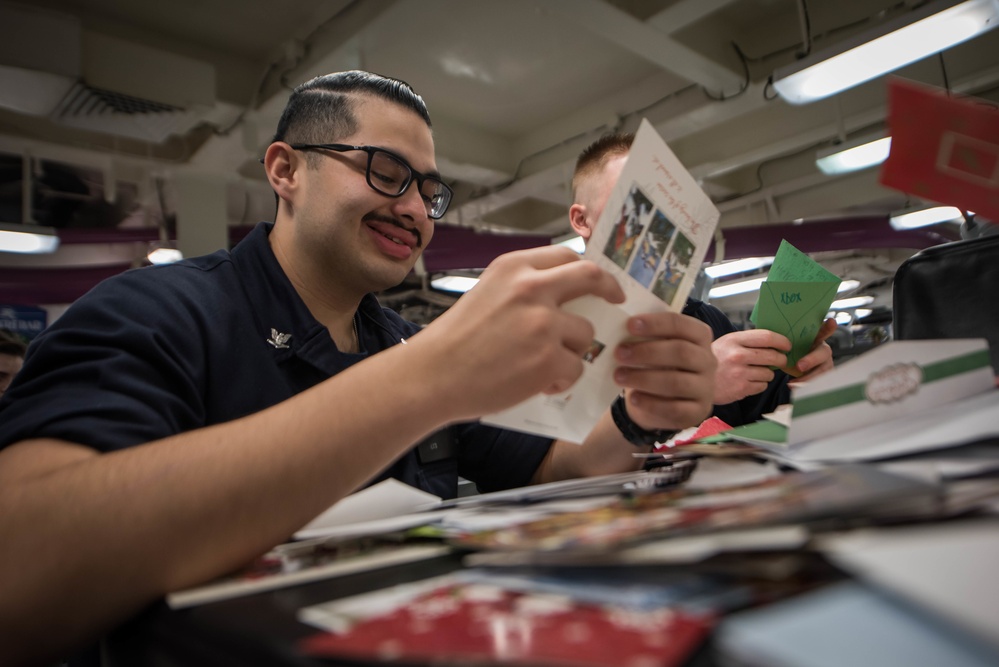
(793, 302)
(652, 236)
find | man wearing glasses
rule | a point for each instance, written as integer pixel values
(180, 420)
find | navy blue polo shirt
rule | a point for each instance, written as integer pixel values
(166, 349)
(750, 408)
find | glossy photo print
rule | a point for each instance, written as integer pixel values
(651, 248)
(673, 270)
(629, 226)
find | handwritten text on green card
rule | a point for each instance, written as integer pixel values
(794, 299)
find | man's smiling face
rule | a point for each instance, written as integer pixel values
(365, 237)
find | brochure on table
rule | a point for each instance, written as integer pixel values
(652, 235)
(875, 405)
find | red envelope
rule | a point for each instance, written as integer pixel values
(944, 149)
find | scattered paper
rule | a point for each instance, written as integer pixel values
(299, 563)
(387, 500)
(947, 568)
(843, 624)
(782, 415)
(717, 473)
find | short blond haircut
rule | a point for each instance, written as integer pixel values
(593, 158)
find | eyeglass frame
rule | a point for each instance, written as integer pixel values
(414, 175)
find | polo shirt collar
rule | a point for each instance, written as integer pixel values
(285, 322)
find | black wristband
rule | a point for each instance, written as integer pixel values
(634, 433)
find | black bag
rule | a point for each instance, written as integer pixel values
(950, 291)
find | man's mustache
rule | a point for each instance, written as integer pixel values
(392, 221)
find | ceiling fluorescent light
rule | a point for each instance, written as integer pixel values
(164, 253)
(28, 239)
(932, 28)
(731, 289)
(735, 288)
(852, 302)
(924, 217)
(738, 266)
(848, 156)
(847, 285)
(459, 284)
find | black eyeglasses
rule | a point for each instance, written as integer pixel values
(390, 175)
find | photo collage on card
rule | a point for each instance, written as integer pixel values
(647, 245)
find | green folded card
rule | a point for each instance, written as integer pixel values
(794, 299)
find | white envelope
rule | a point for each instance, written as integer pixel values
(892, 381)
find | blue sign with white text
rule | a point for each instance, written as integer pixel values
(25, 321)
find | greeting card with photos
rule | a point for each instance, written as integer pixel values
(652, 236)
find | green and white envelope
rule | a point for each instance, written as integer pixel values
(902, 397)
(794, 299)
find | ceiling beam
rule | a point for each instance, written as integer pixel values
(769, 147)
(337, 50)
(647, 42)
(548, 156)
(539, 185)
(685, 13)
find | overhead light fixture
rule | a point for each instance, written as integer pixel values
(28, 239)
(929, 29)
(459, 284)
(913, 219)
(847, 285)
(738, 266)
(861, 313)
(860, 153)
(164, 252)
(732, 289)
(852, 302)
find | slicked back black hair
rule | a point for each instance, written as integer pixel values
(321, 110)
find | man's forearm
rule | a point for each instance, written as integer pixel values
(603, 452)
(93, 538)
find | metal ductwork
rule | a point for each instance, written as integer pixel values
(50, 66)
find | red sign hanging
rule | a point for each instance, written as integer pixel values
(944, 149)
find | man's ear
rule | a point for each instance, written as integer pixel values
(579, 221)
(282, 165)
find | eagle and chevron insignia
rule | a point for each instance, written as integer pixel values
(279, 340)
